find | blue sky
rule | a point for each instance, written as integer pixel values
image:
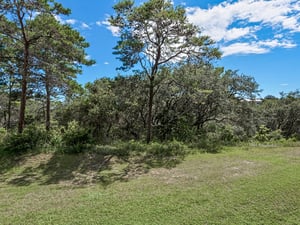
(260, 38)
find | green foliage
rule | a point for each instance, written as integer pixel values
(214, 137)
(75, 138)
(207, 142)
(154, 45)
(154, 149)
(32, 138)
(169, 149)
(132, 147)
(54, 139)
(282, 113)
(275, 135)
(137, 148)
(265, 134)
(119, 150)
(262, 134)
(3, 134)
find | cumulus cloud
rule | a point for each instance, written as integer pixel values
(241, 26)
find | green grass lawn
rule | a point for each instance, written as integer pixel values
(257, 185)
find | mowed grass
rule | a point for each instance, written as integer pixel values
(254, 185)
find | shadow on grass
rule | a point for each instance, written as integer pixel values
(8, 162)
(83, 168)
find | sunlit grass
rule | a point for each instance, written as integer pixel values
(259, 185)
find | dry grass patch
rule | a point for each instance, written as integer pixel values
(208, 170)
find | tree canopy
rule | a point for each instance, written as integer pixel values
(155, 35)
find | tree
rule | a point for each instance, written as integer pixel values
(9, 78)
(59, 59)
(9, 91)
(131, 106)
(15, 24)
(282, 113)
(155, 35)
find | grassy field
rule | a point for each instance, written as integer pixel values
(253, 185)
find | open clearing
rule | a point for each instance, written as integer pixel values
(238, 186)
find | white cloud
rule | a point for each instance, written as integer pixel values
(70, 21)
(243, 48)
(73, 22)
(88, 57)
(255, 47)
(249, 26)
(276, 43)
(235, 33)
(113, 29)
(106, 63)
(99, 23)
(85, 26)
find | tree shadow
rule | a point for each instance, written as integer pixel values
(25, 178)
(88, 168)
(10, 161)
(76, 169)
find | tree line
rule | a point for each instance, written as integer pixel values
(175, 91)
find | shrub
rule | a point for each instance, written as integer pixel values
(264, 134)
(75, 138)
(131, 147)
(213, 137)
(3, 134)
(209, 142)
(55, 138)
(169, 149)
(31, 138)
(118, 151)
(275, 135)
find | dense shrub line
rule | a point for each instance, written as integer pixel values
(74, 139)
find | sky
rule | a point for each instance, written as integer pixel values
(259, 38)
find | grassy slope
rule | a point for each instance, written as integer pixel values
(254, 186)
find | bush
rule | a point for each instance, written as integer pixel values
(275, 135)
(31, 138)
(169, 149)
(75, 138)
(213, 137)
(118, 151)
(264, 134)
(208, 142)
(55, 138)
(131, 147)
(3, 134)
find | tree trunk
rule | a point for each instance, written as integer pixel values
(24, 88)
(48, 102)
(8, 124)
(150, 106)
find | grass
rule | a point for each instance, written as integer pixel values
(255, 185)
